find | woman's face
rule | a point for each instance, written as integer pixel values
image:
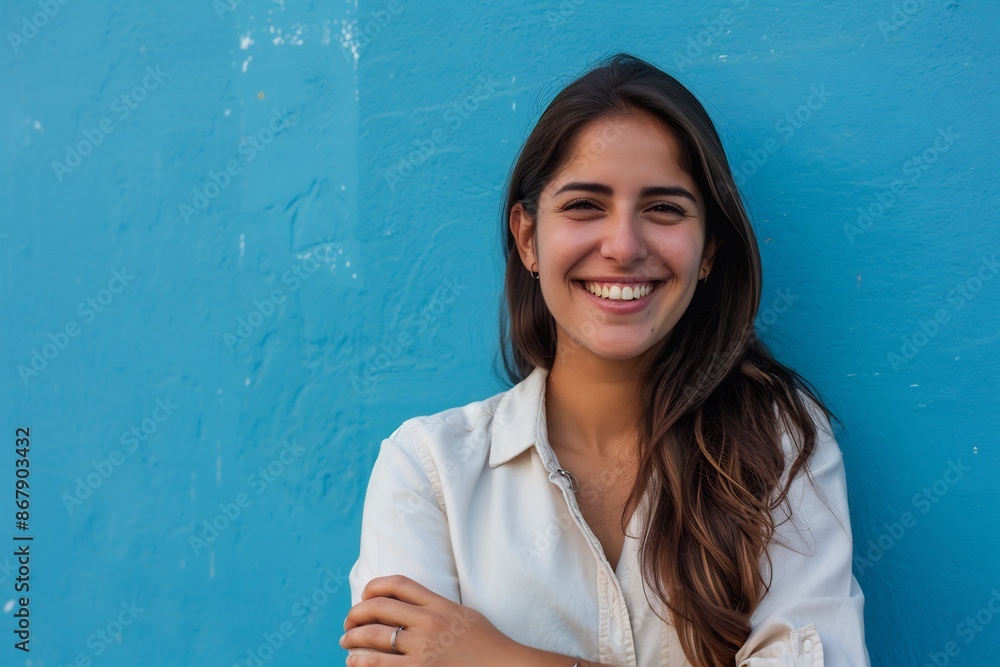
(620, 217)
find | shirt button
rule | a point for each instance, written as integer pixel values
(807, 646)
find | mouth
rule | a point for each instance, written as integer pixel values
(619, 292)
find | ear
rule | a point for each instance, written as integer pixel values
(522, 226)
(712, 246)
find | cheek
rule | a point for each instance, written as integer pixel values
(562, 248)
(681, 251)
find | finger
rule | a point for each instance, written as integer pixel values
(388, 611)
(374, 637)
(400, 587)
(381, 659)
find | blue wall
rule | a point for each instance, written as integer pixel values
(243, 241)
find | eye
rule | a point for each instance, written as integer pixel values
(668, 208)
(584, 204)
(581, 204)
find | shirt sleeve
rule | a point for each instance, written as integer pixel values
(404, 526)
(813, 613)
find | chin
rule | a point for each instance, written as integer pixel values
(618, 351)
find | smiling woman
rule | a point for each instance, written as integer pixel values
(655, 488)
(632, 217)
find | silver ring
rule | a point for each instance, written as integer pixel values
(392, 643)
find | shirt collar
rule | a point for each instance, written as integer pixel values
(519, 420)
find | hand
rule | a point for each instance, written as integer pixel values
(436, 631)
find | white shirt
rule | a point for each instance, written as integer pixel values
(469, 503)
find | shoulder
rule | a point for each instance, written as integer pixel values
(458, 423)
(461, 418)
(826, 452)
(818, 491)
(453, 440)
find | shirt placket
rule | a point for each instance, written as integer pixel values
(615, 633)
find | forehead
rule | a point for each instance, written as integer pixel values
(621, 149)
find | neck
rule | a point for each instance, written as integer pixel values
(591, 406)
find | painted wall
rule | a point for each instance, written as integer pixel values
(243, 241)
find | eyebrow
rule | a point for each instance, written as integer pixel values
(651, 191)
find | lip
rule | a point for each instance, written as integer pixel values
(617, 306)
(625, 280)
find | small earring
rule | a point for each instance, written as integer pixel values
(531, 271)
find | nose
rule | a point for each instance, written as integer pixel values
(623, 237)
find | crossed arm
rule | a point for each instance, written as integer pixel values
(435, 631)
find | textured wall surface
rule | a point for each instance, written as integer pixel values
(241, 242)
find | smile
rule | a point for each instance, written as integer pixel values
(619, 291)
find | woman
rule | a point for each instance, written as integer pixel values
(655, 489)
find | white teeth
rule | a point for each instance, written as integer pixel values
(619, 292)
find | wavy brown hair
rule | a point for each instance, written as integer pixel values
(715, 400)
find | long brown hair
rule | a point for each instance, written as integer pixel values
(715, 401)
